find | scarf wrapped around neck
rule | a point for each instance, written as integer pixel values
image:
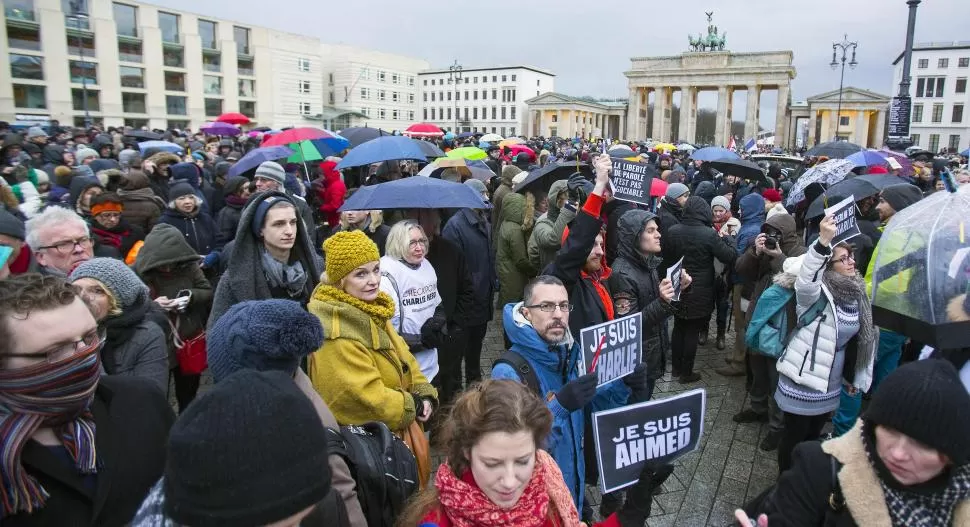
(291, 277)
(380, 310)
(846, 290)
(466, 505)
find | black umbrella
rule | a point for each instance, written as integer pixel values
(429, 149)
(858, 187)
(143, 135)
(261, 129)
(739, 167)
(543, 178)
(834, 149)
(358, 135)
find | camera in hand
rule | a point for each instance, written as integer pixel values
(771, 241)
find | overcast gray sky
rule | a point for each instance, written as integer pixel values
(588, 44)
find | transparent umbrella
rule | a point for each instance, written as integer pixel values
(922, 263)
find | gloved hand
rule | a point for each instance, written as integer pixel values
(578, 392)
(579, 188)
(637, 380)
(210, 260)
(639, 498)
(434, 330)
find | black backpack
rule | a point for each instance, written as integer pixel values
(382, 465)
(523, 368)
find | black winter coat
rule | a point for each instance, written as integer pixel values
(695, 240)
(227, 222)
(133, 420)
(669, 214)
(454, 281)
(199, 230)
(613, 211)
(635, 282)
(470, 232)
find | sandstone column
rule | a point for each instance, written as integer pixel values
(633, 116)
(782, 118)
(812, 125)
(690, 134)
(834, 126)
(659, 108)
(722, 109)
(878, 139)
(861, 132)
(751, 115)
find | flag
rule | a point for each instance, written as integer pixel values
(732, 145)
(750, 145)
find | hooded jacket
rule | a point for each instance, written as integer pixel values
(635, 282)
(498, 198)
(759, 270)
(332, 195)
(156, 180)
(706, 190)
(227, 220)
(613, 210)
(556, 365)
(141, 206)
(511, 256)
(669, 214)
(546, 237)
(695, 241)
(752, 217)
(198, 228)
(53, 157)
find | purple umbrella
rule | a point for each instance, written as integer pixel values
(904, 162)
(218, 128)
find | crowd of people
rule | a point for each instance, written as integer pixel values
(126, 275)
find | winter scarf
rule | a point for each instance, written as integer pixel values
(380, 310)
(119, 329)
(45, 395)
(726, 217)
(923, 505)
(467, 506)
(291, 277)
(846, 290)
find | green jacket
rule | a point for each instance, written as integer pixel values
(511, 258)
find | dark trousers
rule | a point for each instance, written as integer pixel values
(448, 380)
(186, 386)
(683, 344)
(475, 339)
(722, 295)
(798, 428)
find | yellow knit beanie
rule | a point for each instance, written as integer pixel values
(347, 250)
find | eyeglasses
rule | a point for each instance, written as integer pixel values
(845, 259)
(423, 242)
(67, 246)
(549, 307)
(89, 341)
(110, 215)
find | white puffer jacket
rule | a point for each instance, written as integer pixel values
(820, 335)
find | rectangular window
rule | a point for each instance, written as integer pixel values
(513, 80)
(513, 95)
(410, 115)
(177, 124)
(449, 113)
(467, 80)
(494, 78)
(934, 145)
(303, 64)
(475, 95)
(410, 98)
(449, 95)
(466, 114)
(136, 123)
(503, 112)
(133, 102)
(132, 77)
(381, 95)
(395, 114)
(432, 82)
(915, 139)
(21, 38)
(937, 116)
(174, 81)
(939, 86)
(248, 108)
(475, 113)
(395, 78)
(395, 97)
(957, 116)
(77, 100)
(129, 51)
(29, 96)
(330, 97)
(512, 131)
(425, 112)
(433, 114)
(241, 36)
(466, 95)
(211, 85)
(961, 86)
(943, 63)
(169, 24)
(207, 32)
(27, 67)
(247, 87)
(512, 115)
(920, 86)
(923, 64)
(954, 143)
(410, 81)
(126, 19)
(502, 131)
(425, 98)
(330, 79)
(176, 105)
(213, 107)
(484, 79)
(930, 86)
(432, 96)
(80, 45)
(304, 108)
(494, 112)
(173, 58)
(555, 118)
(246, 67)
(381, 76)
(304, 87)
(425, 82)
(494, 95)
(71, 13)
(212, 63)
(963, 62)
(381, 113)
(504, 78)
(844, 120)
(917, 113)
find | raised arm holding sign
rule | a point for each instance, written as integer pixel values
(846, 226)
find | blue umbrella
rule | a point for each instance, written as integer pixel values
(711, 153)
(415, 193)
(965, 153)
(465, 135)
(159, 146)
(429, 149)
(867, 158)
(331, 146)
(254, 157)
(382, 149)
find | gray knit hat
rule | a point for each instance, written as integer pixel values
(720, 201)
(123, 283)
(35, 131)
(271, 170)
(477, 185)
(85, 153)
(676, 190)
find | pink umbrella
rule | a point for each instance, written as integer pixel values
(515, 150)
(658, 187)
(423, 130)
(295, 135)
(904, 162)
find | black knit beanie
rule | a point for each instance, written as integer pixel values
(926, 401)
(901, 195)
(249, 452)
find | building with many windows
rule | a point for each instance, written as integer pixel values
(135, 64)
(939, 74)
(490, 100)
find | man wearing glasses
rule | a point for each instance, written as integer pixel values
(77, 448)
(60, 241)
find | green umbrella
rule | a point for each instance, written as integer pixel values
(304, 151)
(471, 153)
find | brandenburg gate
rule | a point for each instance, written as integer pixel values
(707, 68)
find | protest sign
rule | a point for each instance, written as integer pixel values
(673, 274)
(845, 220)
(631, 181)
(619, 344)
(656, 431)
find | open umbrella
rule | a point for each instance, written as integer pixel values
(686, 147)
(429, 149)
(543, 178)
(906, 165)
(867, 158)
(664, 147)
(922, 264)
(965, 153)
(490, 138)
(621, 151)
(739, 167)
(423, 130)
(256, 156)
(382, 149)
(834, 149)
(358, 135)
(465, 135)
(159, 146)
(233, 118)
(415, 193)
(467, 168)
(295, 135)
(859, 187)
(510, 141)
(515, 150)
(710, 153)
(221, 129)
(827, 173)
(468, 152)
(144, 135)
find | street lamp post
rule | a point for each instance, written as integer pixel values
(454, 77)
(845, 46)
(78, 14)
(908, 53)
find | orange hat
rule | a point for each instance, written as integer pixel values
(106, 206)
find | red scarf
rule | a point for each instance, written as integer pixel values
(727, 217)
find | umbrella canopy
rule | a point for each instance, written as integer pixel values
(254, 157)
(922, 264)
(515, 150)
(710, 153)
(233, 118)
(828, 173)
(295, 135)
(686, 147)
(144, 135)
(905, 163)
(465, 135)
(867, 158)
(415, 193)
(468, 152)
(221, 129)
(358, 135)
(739, 167)
(543, 178)
(490, 138)
(423, 130)
(834, 149)
(429, 149)
(859, 187)
(382, 149)
(664, 147)
(467, 168)
(159, 146)
(965, 153)
(658, 187)
(510, 141)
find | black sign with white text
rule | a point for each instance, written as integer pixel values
(631, 181)
(899, 114)
(846, 226)
(673, 274)
(657, 431)
(620, 345)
